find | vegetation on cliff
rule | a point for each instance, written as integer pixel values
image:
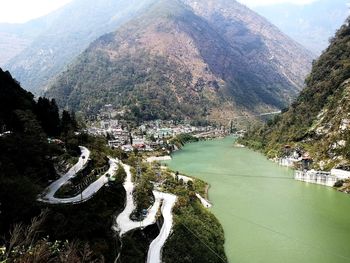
(318, 120)
(181, 139)
(197, 235)
(26, 156)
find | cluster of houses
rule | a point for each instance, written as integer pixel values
(165, 129)
(149, 136)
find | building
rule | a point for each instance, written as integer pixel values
(316, 177)
(340, 174)
(127, 148)
(306, 161)
(163, 132)
(115, 143)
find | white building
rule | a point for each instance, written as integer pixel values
(322, 178)
(340, 174)
(127, 148)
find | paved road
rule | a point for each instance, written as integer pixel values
(53, 188)
(158, 159)
(89, 192)
(155, 249)
(186, 179)
(204, 202)
(123, 222)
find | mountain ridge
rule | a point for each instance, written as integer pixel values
(227, 75)
(73, 28)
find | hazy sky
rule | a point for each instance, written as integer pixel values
(17, 11)
(267, 2)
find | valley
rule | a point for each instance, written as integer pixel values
(188, 61)
(175, 131)
(182, 63)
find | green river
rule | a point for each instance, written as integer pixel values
(267, 216)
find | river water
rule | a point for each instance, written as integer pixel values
(266, 215)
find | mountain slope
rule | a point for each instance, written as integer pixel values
(311, 24)
(14, 38)
(25, 164)
(319, 120)
(174, 61)
(71, 30)
(259, 41)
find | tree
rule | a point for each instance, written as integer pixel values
(68, 124)
(48, 115)
(131, 140)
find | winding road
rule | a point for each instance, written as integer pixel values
(155, 249)
(124, 224)
(204, 201)
(186, 179)
(89, 192)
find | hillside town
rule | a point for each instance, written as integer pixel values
(148, 136)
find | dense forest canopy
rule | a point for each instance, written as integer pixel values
(26, 162)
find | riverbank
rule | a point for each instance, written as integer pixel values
(303, 164)
(267, 216)
(158, 158)
(344, 186)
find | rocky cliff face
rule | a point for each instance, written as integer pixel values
(261, 42)
(187, 59)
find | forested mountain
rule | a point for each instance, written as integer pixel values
(187, 59)
(319, 120)
(310, 24)
(37, 144)
(70, 30)
(26, 162)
